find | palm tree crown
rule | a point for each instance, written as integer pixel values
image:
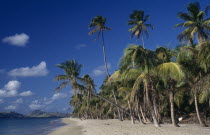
(139, 26)
(72, 71)
(195, 24)
(99, 23)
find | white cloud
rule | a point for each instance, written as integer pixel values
(10, 89)
(26, 93)
(80, 46)
(39, 70)
(39, 104)
(19, 101)
(1, 101)
(13, 85)
(58, 96)
(100, 70)
(11, 107)
(17, 40)
(36, 105)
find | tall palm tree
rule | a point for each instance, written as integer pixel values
(99, 23)
(139, 26)
(171, 74)
(196, 24)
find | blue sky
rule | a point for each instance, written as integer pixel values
(36, 35)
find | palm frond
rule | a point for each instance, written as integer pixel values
(93, 31)
(61, 86)
(170, 71)
(61, 77)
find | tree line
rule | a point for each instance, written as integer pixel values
(149, 84)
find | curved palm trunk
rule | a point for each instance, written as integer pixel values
(106, 67)
(138, 112)
(118, 110)
(197, 112)
(142, 113)
(105, 99)
(131, 112)
(151, 109)
(171, 94)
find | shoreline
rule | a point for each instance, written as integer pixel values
(72, 128)
(115, 127)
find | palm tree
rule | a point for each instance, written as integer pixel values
(90, 86)
(72, 72)
(204, 55)
(196, 63)
(133, 56)
(171, 74)
(195, 23)
(139, 26)
(140, 61)
(99, 23)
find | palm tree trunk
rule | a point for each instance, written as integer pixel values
(142, 113)
(197, 111)
(138, 112)
(96, 110)
(142, 40)
(151, 109)
(155, 109)
(104, 52)
(105, 62)
(171, 94)
(199, 38)
(131, 112)
(155, 103)
(105, 99)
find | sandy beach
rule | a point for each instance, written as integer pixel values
(115, 127)
(73, 127)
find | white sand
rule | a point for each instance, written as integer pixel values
(71, 129)
(115, 127)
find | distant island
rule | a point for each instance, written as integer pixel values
(34, 114)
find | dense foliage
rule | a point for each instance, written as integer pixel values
(149, 85)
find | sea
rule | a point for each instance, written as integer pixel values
(29, 126)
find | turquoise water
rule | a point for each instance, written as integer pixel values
(32, 126)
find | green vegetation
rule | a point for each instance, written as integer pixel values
(149, 85)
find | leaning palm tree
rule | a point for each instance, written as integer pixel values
(171, 74)
(139, 26)
(98, 23)
(196, 24)
(71, 76)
